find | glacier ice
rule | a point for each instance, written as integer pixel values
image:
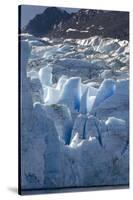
(91, 128)
(61, 117)
(61, 82)
(44, 133)
(79, 126)
(116, 137)
(116, 105)
(74, 128)
(26, 98)
(88, 98)
(45, 75)
(84, 103)
(75, 140)
(65, 48)
(71, 93)
(106, 74)
(115, 123)
(92, 90)
(106, 90)
(52, 95)
(36, 90)
(30, 177)
(75, 63)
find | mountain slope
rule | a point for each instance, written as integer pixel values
(85, 23)
(43, 23)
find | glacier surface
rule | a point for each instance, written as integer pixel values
(75, 113)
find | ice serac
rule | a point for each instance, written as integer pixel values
(31, 175)
(116, 124)
(88, 98)
(91, 101)
(52, 96)
(117, 105)
(93, 163)
(123, 160)
(105, 91)
(43, 151)
(84, 103)
(51, 151)
(115, 139)
(100, 160)
(79, 126)
(76, 140)
(86, 167)
(39, 139)
(61, 82)
(61, 117)
(33, 150)
(45, 93)
(71, 93)
(36, 90)
(45, 75)
(94, 129)
(26, 107)
(26, 98)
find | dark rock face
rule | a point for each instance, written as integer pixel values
(43, 23)
(88, 23)
(85, 23)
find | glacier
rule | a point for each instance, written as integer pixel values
(45, 76)
(74, 113)
(106, 90)
(71, 93)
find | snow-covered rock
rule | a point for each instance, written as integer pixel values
(71, 29)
